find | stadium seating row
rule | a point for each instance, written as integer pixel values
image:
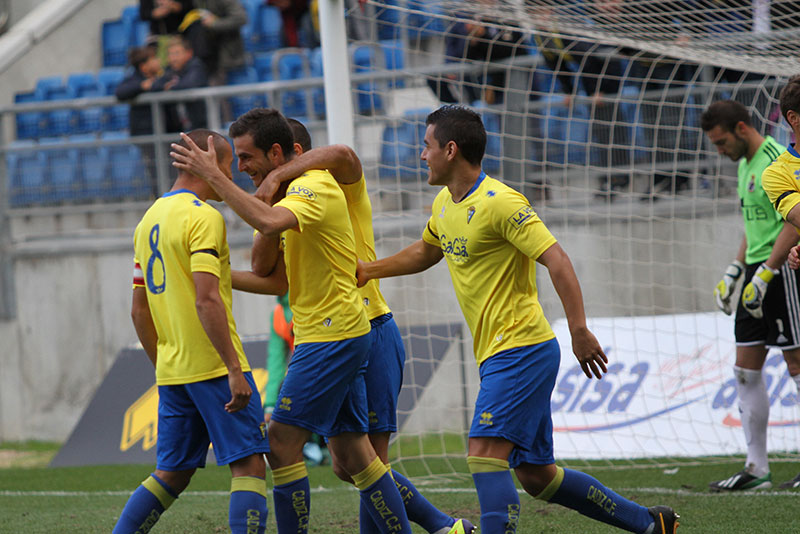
(48, 173)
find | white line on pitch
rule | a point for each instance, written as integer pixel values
(657, 491)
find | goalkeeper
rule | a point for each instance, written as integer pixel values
(767, 312)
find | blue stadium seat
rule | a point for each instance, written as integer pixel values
(401, 146)
(29, 123)
(92, 169)
(128, 178)
(116, 39)
(244, 103)
(114, 117)
(492, 156)
(423, 25)
(364, 59)
(140, 32)
(26, 173)
(62, 171)
(59, 121)
(262, 62)
(250, 30)
(84, 85)
(318, 93)
(292, 64)
(632, 114)
(130, 14)
(394, 58)
(269, 29)
(387, 20)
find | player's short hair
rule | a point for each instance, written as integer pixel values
(790, 96)
(266, 126)
(462, 126)
(139, 55)
(300, 132)
(725, 113)
(200, 138)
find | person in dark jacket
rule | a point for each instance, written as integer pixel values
(146, 69)
(164, 16)
(184, 72)
(213, 27)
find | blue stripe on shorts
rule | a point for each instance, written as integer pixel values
(514, 401)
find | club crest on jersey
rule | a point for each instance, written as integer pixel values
(327, 321)
(441, 213)
(522, 216)
(470, 213)
(301, 191)
(751, 185)
(366, 301)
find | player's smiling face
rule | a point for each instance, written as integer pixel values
(252, 159)
(728, 143)
(436, 156)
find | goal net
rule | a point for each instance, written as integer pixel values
(592, 111)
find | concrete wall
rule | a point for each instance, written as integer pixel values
(73, 306)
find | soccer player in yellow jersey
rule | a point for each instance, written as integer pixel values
(384, 374)
(491, 237)
(324, 389)
(182, 314)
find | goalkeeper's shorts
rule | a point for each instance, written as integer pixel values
(384, 376)
(780, 325)
(514, 401)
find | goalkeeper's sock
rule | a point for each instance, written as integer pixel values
(754, 411)
(379, 495)
(247, 513)
(589, 497)
(418, 508)
(145, 506)
(292, 498)
(497, 494)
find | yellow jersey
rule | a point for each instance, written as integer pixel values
(781, 181)
(491, 240)
(360, 210)
(180, 235)
(320, 256)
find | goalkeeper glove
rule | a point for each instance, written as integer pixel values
(753, 293)
(727, 286)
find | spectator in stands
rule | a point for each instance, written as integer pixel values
(298, 27)
(185, 71)
(146, 69)
(164, 15)
(213, 28)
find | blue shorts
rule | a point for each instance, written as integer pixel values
(190, 416)
(384, 376)
(324, 389)
(514, 401)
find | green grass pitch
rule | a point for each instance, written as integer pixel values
(36, 499)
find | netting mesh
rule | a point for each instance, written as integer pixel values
(592, 110)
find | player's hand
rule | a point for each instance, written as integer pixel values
(268, 188)
(754, 292)
(361, 274)
(794, 257)
(191, 158)
(589, 353)
(240, 392)
(724, 290)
